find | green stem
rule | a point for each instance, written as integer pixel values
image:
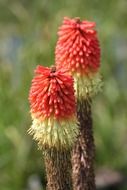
(84, 150)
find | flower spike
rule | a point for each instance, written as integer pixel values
(78, 50)
(53, 108)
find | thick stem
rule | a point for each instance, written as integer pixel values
(58, 169)
(84, 150)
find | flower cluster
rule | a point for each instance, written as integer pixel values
(52, 99)
(78, 50)
(53, 107)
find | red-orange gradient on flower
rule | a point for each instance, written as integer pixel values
(78, 47)
(52, 94)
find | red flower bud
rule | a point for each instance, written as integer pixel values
(78, 47)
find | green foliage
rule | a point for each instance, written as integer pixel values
(27, 38)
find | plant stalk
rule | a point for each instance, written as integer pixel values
(83, 153)
(58, 169)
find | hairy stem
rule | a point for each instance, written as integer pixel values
(58, 169)
(84, 150)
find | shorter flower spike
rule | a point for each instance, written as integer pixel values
(78, 51)
(53, 108)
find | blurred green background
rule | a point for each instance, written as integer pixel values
(28, 34)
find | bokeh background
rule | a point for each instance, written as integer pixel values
(28, 34)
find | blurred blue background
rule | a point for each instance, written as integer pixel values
(28, 34)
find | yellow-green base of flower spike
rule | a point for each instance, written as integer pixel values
(88, 85)
(54, 133)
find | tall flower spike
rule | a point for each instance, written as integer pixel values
(78, 50)
(53, 108)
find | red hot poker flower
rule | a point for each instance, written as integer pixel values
(53, 107)
(78, 46)
(52, 94)
(78, 49)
